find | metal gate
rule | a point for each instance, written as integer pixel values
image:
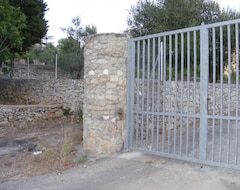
(183, 94)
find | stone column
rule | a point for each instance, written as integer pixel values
(105, 86)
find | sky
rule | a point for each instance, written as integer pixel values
(107, 15)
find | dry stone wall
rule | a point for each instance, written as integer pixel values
(28, 113)
(175, 98)
(67, 92)
(63, 94)
(104, 108)
(38, 72)
(184, 97)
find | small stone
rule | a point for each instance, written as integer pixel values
(105, 117)
(37, 153)
(4, 123)
(105, 72)
(91, 73)
(114, 78)
(29, 119)
(119, 73)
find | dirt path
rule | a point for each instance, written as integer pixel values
(133, 171)
(37, 148)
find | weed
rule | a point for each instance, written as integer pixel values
(67, 149)
(80, 112)
(67, 146)
(83, 159)
(51, 154)
(66, 111)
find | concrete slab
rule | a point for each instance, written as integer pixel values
(133, 171)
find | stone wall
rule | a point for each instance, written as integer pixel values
(179, 97)
(65, 94)
(38, 72)
(104, 108)
(28, 113)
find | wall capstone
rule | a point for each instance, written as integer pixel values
(105, 84)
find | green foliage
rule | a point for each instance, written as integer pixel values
(83, 159)
(149, 17)
(70, 57)
(77, 32)
(22, 24)
(12, 24)
(71, 49)
(36, 23)
(66, 111)
(143, 19)
(68, 45)
(73, 63)
(45, 54)
(80, 112)
(232, 78)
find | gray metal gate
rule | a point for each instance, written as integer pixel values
(183, 94)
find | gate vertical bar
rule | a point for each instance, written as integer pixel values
(148, 95)
(188, 91)
(175, 92)
(204, 67)
(138, 90)
(130, 93)
(221, 92)
(153, 90)
(214, 53)
(158, 89)
(237, 92)
(194, 91)
(229, 91)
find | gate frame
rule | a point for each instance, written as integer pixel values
(204, 84)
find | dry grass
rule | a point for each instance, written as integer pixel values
(58, 139)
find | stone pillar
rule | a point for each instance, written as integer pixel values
(105, 86)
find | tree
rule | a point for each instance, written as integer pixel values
(36, 29)
(149, 17)
(143, 19)
(45, 54)
(77, 32)
(22, 24)
(70, 57)
(67, 45)
(12, 24)
(71, 49)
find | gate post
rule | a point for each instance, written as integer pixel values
(204, 74)
(104, 104)
(130, 94)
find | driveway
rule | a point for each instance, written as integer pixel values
(133, 171)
